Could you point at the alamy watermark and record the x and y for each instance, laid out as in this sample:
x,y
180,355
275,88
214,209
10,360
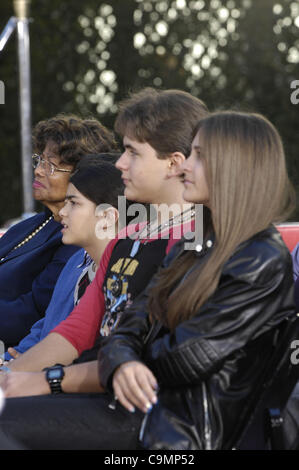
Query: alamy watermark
x,y
294,358
2,92
155,221
295,94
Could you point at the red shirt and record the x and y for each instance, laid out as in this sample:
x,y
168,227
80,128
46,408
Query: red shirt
x,y
83,325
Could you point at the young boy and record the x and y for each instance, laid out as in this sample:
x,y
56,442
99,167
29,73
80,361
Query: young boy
x,y
157,128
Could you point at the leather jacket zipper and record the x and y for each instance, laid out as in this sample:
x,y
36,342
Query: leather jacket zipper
x,y
207,422
155,326
142,427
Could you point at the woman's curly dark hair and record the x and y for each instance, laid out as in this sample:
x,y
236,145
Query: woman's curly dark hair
x,y
73,136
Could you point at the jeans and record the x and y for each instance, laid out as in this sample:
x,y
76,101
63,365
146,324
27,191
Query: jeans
x,y
69,421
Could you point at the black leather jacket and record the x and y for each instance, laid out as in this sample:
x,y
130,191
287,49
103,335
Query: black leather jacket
x,y
209,366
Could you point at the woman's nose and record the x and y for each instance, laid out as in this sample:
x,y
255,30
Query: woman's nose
x,y
39,171
187,165
183,167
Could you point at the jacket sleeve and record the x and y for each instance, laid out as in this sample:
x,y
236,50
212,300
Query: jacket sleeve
x,y
18,315
254,294
127,341
30,340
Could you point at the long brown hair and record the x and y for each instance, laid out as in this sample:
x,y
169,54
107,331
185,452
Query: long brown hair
x,y
249,189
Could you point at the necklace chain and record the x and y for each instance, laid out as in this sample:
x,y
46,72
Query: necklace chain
x,y
117,284
184,216
28,238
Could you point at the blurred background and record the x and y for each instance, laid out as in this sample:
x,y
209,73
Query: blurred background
x,y
86,56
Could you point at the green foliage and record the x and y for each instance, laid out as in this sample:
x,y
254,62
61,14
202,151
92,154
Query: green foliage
x,y
86,56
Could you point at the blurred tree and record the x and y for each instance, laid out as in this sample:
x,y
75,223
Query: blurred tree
x,y
87,56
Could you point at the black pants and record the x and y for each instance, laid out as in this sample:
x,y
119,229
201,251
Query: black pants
x,y
69,421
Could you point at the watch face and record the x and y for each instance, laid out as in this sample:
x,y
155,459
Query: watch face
x,y
54,374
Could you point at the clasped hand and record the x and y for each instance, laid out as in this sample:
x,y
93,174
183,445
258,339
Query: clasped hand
x,y
135,385
15,354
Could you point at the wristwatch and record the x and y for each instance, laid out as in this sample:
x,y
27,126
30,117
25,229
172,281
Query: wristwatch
x,y
54,376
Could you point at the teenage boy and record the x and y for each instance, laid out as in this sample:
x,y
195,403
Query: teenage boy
x,y
157,128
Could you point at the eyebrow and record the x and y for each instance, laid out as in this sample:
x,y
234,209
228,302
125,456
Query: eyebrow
x,y
130,147
71,196
49,157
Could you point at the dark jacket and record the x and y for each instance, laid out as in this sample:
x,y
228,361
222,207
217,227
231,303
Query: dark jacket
x,y
28,274
208,367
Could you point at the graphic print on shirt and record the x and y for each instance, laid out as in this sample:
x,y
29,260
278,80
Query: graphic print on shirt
x,y
117,303
85,278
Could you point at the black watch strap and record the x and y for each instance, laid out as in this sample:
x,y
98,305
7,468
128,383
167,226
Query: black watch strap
x,y
54,376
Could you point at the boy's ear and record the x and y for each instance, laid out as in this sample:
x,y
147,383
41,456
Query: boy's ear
x,y
108,217
112,216
107,224
175,160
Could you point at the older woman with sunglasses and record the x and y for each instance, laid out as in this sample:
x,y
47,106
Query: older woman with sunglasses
x,y
31,252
